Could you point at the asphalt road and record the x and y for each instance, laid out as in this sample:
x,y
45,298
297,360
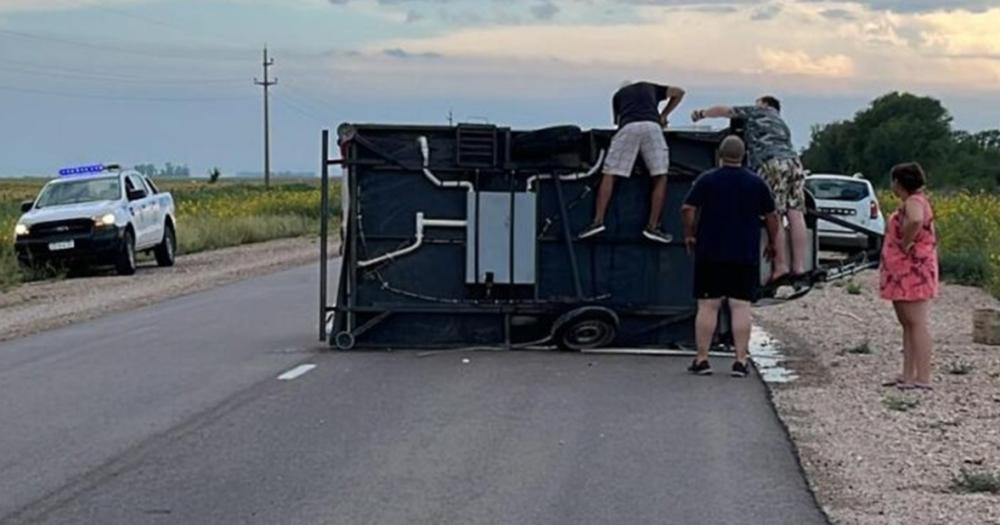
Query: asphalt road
x,y
174,413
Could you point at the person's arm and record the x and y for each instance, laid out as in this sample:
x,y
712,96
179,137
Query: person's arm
x,y
712,112
914,220
773,222
689,216
674,97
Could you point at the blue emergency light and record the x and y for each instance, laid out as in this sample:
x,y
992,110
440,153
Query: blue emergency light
x,y
81,170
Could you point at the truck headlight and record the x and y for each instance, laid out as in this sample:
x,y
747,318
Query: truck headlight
x,y
105,220
20,229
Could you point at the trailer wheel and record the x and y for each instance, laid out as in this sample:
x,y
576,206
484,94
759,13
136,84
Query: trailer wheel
x,y
344,340
586,329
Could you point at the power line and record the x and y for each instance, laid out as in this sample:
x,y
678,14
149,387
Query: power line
x,y
106,47
158,22
116,98
63,73
288,103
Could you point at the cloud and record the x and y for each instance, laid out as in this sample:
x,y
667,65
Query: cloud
x,y
924,6
402,53
545,10
801,63
765,13
838,14
57,5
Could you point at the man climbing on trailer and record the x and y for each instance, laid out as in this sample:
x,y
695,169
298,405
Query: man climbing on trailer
x,y
721,216
640,131
774,158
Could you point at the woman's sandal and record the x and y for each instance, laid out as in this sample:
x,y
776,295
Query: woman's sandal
x,y
898,380
915,386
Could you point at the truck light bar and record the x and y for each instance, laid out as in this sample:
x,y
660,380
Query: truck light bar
x,y
81,170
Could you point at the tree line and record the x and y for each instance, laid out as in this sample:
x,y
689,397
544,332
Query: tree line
x,y
900,127
168,170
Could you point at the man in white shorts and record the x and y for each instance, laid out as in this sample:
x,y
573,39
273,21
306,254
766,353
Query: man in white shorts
x,y
640,131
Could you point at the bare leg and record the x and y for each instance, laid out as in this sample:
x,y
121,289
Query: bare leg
x,y
604,193
800,240
740,311
908,375
921,340
705,325
779,266
657,198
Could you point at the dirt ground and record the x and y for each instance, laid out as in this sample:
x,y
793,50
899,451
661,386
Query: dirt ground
x,y
876,455
34,307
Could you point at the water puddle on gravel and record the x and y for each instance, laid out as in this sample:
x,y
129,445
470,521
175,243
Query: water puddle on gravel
x,y
766,353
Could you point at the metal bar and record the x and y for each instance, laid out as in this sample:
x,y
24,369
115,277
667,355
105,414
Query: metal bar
x,y
324,220
512,226
371,323
352,239
654,351
568,237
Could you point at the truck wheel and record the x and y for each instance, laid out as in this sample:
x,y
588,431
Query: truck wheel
x,y
586,329
125,260
165,252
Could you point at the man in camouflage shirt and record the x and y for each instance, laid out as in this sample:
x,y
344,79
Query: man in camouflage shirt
x,y
773,157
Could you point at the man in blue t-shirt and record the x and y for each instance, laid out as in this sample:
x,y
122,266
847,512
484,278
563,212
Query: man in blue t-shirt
x,y
640,122
722,222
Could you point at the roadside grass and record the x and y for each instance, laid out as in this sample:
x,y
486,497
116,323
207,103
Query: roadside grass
x,y
864,348
209,215
853,288
959,368
968,234
969,482
900,404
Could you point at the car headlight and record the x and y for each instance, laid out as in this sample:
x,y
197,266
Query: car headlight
x,y
105,220
20,229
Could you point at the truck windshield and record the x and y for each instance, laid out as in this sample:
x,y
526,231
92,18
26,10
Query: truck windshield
x,y
77,191
837,190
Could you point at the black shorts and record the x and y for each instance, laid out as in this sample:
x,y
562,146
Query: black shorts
x,y
714,280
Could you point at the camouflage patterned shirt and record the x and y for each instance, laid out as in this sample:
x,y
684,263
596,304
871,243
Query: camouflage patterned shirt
x,y
768,137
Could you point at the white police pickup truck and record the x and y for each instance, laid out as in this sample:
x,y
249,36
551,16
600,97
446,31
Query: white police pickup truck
x,y
97,214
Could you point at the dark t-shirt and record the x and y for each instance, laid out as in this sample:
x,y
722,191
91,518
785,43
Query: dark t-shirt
x,y
731,202
638,102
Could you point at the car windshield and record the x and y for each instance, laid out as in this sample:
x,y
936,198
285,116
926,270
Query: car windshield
x,y
77,191
837,189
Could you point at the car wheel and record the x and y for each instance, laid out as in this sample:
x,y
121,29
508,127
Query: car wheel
x,y
165,252
125,260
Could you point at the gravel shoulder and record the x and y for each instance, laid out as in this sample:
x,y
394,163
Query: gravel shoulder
x,y
867,463
39,306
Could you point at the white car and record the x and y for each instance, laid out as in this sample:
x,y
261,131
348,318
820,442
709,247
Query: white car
x,y
97,214
852,199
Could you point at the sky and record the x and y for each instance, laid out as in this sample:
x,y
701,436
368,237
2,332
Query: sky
x,y
137,81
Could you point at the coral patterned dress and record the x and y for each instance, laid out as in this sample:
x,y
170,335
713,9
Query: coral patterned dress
x,y
910,276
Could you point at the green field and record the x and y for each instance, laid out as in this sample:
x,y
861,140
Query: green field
x,y
209,216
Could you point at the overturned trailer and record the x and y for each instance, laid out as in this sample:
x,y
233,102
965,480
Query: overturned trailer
x,y
465,236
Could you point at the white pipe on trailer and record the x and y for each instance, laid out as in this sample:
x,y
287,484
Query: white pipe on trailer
x,y
572,176
421,223
425,151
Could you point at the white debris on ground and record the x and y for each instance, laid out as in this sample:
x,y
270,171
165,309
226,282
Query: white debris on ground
x,y
44,305
873,454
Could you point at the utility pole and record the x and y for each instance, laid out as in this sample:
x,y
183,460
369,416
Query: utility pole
x,y
267,83
451,118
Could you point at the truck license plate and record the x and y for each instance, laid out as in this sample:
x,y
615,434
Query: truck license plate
x,y
64,245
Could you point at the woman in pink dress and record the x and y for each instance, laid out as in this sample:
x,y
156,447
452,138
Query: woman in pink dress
x,y
909,272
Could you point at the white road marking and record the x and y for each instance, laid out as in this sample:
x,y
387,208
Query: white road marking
x,y
295,372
